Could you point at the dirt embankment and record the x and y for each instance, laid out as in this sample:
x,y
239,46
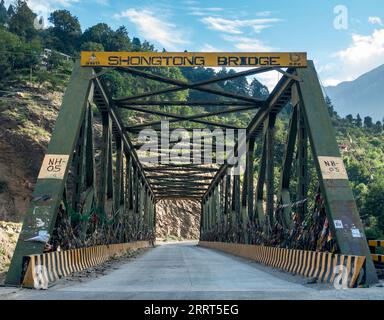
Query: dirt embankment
x,y
27,118
9,233
178,219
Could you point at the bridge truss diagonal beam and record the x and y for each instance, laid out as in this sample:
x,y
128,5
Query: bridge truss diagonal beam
x,y
200,86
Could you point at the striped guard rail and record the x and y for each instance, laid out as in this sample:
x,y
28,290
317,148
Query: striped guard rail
x,y
375,243
42,269
320,265
378,259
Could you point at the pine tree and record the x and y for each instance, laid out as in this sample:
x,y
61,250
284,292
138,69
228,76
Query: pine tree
x,y
331,108
66,30
358,121
378,127
258,90
3,14
368,123
349,118
10,11
21,21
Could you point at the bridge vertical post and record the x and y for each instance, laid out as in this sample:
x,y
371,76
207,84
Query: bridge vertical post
x,y
129,197
119,173
202,217
260,186
208,210
213,211
236,204
103,185
340,206
217,208
210,207
247,192
222,208
302,159
227,204
270,158
244,209
250,187
146,213
141,208
89,167
135,203
60,149
206,214
154,219
80,162
284,196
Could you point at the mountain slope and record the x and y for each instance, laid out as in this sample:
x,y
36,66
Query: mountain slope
x,y
365,95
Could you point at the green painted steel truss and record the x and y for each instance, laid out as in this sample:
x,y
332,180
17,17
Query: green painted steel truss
x,y
103,193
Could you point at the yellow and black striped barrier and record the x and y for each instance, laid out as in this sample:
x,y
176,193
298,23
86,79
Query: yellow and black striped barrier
x,y
323,266
42,269
378,259
375,243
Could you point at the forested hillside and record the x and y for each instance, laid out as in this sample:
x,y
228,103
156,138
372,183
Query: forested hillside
x,y
26,66
366,90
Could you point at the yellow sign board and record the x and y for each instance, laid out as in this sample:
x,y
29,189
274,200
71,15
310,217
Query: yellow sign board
x,y
193,59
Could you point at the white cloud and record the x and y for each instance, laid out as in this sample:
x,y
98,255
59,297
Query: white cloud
x,y
45,7
365,53
269,79
154,29
375,20
248,44
330,82
200,11
264,13
208,48
236,26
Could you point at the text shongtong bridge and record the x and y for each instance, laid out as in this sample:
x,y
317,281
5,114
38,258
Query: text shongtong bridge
x,y
96,186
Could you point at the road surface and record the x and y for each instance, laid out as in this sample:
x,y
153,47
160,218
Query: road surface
x,y
187,271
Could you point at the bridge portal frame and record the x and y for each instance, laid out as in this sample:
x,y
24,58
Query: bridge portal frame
x,y
130,192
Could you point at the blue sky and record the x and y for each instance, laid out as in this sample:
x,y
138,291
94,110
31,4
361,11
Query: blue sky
x,y
341,51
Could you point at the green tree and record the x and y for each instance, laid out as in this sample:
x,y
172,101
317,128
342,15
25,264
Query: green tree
x,y
21,22
349,118
258,90
358,121
111,40
99,33
119,40
378,128
66,31
374,204
9,43
10,11
368,122
91,46
136,44
3,14
331,108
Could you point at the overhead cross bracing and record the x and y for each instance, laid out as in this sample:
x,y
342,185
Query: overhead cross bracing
x,y
235,105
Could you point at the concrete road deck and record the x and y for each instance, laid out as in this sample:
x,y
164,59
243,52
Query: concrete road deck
x,y
187,271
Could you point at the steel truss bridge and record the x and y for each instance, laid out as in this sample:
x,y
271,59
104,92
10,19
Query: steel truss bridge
x,y
93,189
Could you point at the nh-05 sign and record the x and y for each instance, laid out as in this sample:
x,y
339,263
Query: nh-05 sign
x,y
193,59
